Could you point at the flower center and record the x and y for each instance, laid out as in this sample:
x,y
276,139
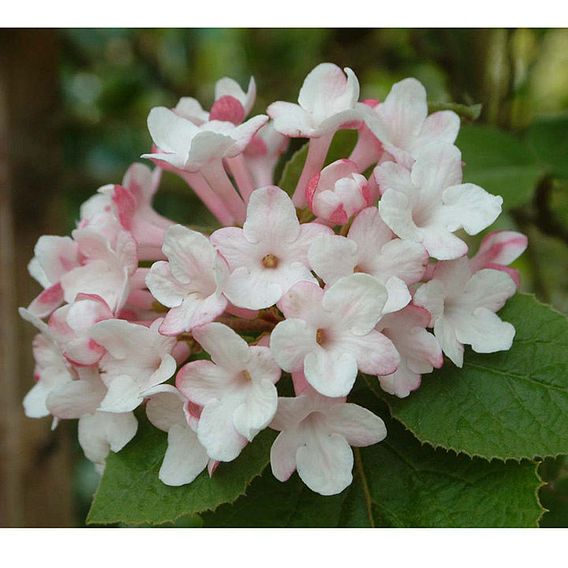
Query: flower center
x,y
358,269
321,337
270,261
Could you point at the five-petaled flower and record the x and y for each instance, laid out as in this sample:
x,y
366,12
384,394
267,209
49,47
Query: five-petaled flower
x,y
269,254
236,390
316,435
330,334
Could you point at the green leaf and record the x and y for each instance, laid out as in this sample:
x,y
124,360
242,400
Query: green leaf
x,y
398,483
131,493
500,163
503,405
548,139
341,147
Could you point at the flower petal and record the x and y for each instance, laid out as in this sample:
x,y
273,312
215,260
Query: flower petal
x,y
123,395
489,289
359,426
332,257
271,217
76,398
165,409
226,347
331,372
402,382
163,286
283,454
290,342
185,457
471,207
102,432
445,333
325,464
258,410
217,433
485,332
396,211
357,300
193,312
291,119
375,353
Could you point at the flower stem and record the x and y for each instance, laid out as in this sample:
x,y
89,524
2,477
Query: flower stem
x,y
317,152
219,181
209,198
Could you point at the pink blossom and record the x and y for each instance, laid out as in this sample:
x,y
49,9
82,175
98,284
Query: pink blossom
x,y
339,192
430,202
201,149
72,325
419,350
269,254
136,363
53,257
370,247
228,94
236,390
316,435
189,147
105,270
327,101
330,335
463,306
401,123
190,283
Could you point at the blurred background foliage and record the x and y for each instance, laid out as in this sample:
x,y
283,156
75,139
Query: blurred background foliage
x,y
110,78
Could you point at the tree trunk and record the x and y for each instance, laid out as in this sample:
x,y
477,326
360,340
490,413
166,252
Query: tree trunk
x,y
35,463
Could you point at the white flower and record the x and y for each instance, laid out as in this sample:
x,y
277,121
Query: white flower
x,y
327,99
99,432
190,283
236,390
231,103
269,254
315,438
105,270
53,257
429,203
138,360
419,350
403,126
370,247
51,371
51,368
185,457
331,335
189,147
463,305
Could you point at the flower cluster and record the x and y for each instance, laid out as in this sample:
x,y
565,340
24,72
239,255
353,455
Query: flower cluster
x,y
197,329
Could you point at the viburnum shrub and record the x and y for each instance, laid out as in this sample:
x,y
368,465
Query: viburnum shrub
x,y
298,330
